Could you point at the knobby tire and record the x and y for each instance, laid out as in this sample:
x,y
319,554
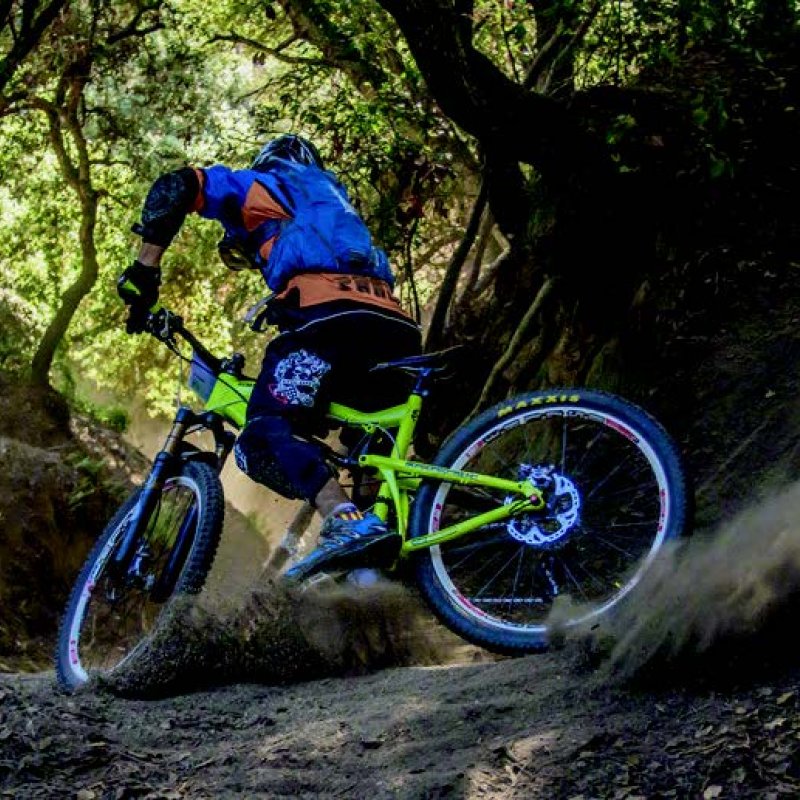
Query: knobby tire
x,y
105,624
620,495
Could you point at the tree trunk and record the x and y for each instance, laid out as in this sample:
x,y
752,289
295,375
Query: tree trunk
x,y
64,120
71,299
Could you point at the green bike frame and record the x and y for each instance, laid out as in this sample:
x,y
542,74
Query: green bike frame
x,y
400,476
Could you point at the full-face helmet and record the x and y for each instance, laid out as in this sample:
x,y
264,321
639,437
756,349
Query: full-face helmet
x,y
289,147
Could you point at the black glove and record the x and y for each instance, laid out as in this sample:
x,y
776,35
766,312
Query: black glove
x,y
138,285
138,318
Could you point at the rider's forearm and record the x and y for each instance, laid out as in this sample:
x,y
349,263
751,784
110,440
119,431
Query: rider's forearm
x,y
150,254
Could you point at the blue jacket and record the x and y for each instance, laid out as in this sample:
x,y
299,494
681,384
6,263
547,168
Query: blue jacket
x,y
291,219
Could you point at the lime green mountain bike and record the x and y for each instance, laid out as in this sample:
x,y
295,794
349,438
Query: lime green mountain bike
x,y
566,493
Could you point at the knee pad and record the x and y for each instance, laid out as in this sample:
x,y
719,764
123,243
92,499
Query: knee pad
x,y
268,452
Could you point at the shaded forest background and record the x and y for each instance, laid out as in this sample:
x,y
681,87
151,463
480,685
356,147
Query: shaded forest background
x,y
582,192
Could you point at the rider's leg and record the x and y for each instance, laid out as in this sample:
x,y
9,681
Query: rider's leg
x,y
272,451
301,370
329,355
330,497
271,448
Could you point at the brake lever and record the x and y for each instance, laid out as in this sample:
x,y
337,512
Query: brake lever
x,y
163,323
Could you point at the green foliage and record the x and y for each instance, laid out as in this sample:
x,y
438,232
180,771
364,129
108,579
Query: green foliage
x,y
91,475
18,334
203,83
114,417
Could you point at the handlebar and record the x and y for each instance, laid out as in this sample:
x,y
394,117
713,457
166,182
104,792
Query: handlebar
x,y
165,325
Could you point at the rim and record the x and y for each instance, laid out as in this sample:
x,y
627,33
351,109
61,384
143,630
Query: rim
x,y
609,518
110,623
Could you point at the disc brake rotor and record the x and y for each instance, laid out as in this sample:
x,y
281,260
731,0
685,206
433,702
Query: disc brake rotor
x,y
551,527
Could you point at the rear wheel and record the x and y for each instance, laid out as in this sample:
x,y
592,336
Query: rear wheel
x,y
108,619
615,494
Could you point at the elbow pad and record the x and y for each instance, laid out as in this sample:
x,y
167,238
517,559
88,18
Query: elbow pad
x,y
171,197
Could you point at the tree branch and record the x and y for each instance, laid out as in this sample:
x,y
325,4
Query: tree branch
x,y
451,275
313,24
275,52
484,235
56,133
489,273
132,29
5,13
478,96
28,37
514,344
78,136
575,40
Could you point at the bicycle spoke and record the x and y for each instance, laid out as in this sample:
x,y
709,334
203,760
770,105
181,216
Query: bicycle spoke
x,y
588,450
601,585
487,564
114,627
495,576
509,571
603,540
574,580
479,492
516,578
650,523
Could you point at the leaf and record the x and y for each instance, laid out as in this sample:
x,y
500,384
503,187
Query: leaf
x,y
717,168
712,791
700,116
784,698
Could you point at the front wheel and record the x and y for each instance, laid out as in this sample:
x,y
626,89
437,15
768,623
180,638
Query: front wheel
x,y
615,493
109,617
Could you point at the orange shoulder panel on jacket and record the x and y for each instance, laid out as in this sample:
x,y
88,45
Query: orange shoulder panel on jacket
x,y
266,248
259,206
199,201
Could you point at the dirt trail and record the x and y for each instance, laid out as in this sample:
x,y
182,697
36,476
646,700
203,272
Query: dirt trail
x,y
413,732
529,728
695,693
672,711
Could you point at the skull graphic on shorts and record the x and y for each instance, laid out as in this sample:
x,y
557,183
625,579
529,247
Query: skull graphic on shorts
x,y
297,378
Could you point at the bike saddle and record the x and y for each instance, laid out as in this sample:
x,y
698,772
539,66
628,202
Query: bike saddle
x,y
439,361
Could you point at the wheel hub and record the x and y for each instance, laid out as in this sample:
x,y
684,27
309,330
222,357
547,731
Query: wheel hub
x,y
551,527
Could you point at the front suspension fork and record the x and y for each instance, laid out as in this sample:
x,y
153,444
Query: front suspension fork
x,y
163,467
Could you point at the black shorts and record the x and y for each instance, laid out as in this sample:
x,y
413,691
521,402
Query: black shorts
x,y
329,358
325,359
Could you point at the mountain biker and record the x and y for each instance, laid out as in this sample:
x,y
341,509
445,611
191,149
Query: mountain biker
x,y
332,302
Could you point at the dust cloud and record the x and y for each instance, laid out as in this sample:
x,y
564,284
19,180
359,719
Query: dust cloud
x,y
716,607
268,512
283,636
246,627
